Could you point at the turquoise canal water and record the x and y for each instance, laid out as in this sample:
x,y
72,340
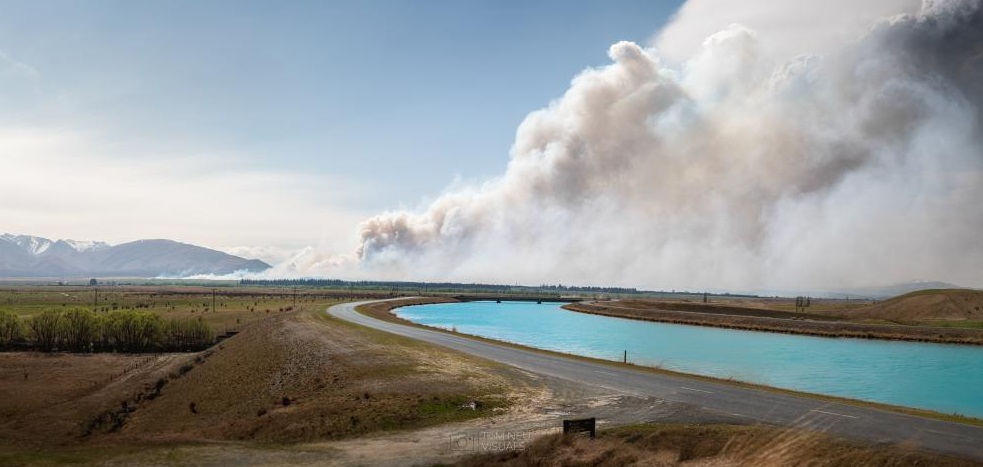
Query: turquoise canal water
x,y
943,377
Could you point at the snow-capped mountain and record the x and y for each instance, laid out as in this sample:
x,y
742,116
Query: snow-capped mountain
x,y
29,256
33,245
85,246
38,245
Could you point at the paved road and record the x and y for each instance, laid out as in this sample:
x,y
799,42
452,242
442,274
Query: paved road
x,y
756,405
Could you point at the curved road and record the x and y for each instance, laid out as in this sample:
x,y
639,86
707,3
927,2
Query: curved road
x,y
756,405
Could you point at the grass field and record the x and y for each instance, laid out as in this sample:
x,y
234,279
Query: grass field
x,y
233,306
290,377
707,445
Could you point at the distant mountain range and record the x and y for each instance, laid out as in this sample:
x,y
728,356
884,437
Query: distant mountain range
x,y
28,256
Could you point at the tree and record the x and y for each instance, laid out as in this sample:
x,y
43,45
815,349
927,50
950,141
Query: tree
x,y
150,332
134,331
188,334
11,328
80,328
45,327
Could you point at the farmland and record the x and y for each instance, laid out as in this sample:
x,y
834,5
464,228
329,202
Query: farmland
x,y
288,376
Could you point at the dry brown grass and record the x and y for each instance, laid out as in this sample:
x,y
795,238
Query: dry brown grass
x,y
381,310
755,320
923,306
308,377
755,309
63,392
295,377
708,445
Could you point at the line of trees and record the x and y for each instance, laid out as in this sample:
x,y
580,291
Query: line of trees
x,y
449,286
82,330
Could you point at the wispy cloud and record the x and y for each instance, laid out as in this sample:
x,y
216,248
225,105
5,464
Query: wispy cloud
x,y
9,65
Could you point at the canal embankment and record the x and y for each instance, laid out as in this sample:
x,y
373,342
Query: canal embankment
x,y
789,323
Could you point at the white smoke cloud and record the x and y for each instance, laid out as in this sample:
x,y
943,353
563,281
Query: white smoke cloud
x,y
739,164
788,27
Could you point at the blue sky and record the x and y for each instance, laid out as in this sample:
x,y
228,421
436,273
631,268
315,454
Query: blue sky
x,y
390,99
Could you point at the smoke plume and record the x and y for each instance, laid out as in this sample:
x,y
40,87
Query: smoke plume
x,y
739,165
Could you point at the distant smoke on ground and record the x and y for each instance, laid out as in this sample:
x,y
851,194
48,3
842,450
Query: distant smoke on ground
x,y
739,165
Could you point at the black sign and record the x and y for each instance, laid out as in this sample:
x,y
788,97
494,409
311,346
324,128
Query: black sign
x,y
583,425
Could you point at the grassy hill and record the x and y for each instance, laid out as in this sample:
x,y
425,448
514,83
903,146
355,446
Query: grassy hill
x,y
307,377
924,305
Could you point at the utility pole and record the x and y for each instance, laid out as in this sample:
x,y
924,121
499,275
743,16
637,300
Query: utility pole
x,y
295,297
95,299
213,300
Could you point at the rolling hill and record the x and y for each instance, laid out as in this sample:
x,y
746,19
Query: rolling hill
x,y
932,304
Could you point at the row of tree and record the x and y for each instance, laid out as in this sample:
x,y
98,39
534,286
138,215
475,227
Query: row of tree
x,y
82,330
446,286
